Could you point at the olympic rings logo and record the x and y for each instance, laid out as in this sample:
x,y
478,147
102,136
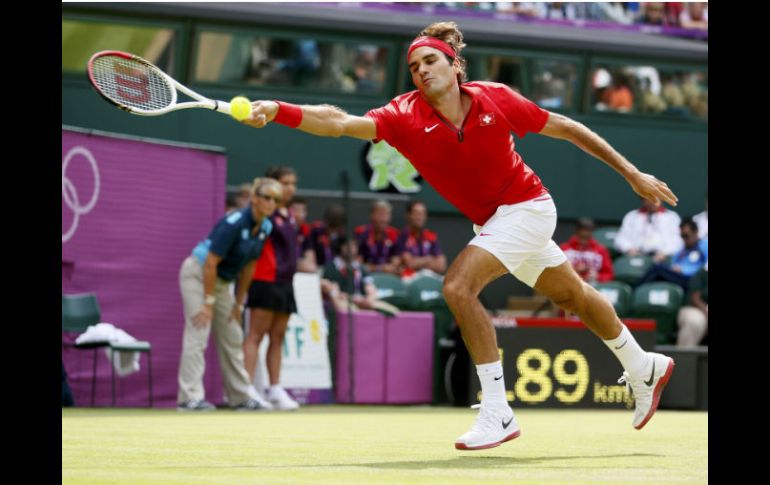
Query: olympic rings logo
x,y
70,194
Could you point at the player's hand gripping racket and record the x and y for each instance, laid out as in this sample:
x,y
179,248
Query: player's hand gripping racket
x,y
139,87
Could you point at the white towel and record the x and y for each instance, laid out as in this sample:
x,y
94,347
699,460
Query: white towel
x,y
125,363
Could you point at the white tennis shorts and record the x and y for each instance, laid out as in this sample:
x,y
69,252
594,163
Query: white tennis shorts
x,y
519,235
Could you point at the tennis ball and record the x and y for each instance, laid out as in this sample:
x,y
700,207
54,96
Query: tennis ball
x,y
240,108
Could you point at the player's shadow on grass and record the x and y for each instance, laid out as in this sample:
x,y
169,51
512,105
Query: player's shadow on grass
x,y
460,462
464,462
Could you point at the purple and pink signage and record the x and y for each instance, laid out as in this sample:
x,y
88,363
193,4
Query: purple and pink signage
x,y
132,211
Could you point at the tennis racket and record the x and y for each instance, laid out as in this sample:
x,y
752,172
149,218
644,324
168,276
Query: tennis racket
x,y
136,85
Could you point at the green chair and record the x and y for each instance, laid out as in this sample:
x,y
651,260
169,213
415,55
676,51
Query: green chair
x,y
606,237
618,293
391,289
426,295
659,301
78,312
425,292
631,269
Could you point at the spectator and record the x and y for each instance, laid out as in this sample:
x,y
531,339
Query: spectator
x,y
650,102
700,106
600,81
648,81
560,11
591,260
693,318
528,9
418,247
673,11
673,96
613,12
319,246
367,72
619,97
336,284
702,220
239,198
271,295
695,16
206,281
692,89
550,91
243,196
653,13
230,204
298,209
377,240
650,230
686,262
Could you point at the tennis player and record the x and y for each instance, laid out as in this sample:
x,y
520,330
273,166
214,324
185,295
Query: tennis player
x,y
457,134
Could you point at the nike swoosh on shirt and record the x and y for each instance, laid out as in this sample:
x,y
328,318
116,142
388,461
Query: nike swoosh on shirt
x,y
484,234
428,130
621,346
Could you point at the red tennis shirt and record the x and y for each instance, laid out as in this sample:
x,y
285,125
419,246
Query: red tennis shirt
x,y
476,167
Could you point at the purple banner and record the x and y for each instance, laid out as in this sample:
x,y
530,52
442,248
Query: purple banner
x,y
131,213
392,358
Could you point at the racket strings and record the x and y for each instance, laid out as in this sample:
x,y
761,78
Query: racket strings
x,y
132,83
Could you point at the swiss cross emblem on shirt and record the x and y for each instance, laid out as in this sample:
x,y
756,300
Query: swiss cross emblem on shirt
x,y
487,119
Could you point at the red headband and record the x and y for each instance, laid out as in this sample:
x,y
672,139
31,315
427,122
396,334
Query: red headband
x,y
431,42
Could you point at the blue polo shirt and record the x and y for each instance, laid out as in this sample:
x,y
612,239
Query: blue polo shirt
x,y
693,259
232,240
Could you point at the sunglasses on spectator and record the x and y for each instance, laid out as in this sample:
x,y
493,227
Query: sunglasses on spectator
x,y
269,197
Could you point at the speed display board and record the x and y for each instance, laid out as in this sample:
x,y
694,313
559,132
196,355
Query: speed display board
x,y
560,363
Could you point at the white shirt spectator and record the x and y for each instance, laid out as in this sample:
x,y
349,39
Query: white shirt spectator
x,y
615,12
650,232
702,220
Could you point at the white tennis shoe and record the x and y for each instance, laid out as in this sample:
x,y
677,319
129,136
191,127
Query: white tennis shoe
x,y
494,426
648,386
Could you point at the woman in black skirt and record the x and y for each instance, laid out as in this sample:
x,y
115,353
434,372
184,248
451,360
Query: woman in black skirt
x,y
271,295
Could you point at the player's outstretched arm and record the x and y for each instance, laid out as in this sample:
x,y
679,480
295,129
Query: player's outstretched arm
x,y
646,185
320,120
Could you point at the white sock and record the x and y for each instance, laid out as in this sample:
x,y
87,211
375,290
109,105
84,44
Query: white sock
x,y
492,383
632,357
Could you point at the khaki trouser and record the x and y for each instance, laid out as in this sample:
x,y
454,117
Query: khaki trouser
x,y
228,336
693,324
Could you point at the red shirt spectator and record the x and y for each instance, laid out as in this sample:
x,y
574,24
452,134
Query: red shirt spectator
x,y
590,259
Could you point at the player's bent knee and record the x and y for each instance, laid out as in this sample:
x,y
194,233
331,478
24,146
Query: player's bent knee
x,y
573,300
455,291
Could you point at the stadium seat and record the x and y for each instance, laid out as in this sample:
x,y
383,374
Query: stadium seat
x,y
78,312
606,237
425,293
618,293
391,289
630,269
660,301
